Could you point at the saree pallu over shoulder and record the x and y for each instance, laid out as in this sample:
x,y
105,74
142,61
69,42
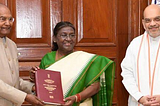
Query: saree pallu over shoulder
x,y
80,69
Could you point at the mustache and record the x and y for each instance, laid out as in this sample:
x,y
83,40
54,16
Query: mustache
x,y
153,27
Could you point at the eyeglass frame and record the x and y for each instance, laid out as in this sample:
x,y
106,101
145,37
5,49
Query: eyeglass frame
x,y
65,36
10,19
149,20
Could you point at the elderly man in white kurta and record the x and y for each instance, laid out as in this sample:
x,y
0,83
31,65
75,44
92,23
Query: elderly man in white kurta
x,y
10,83
141,65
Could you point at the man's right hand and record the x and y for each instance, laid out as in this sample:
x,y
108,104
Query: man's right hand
x,y
149,101
145,99
32,99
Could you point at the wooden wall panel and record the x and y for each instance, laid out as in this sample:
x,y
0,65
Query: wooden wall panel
x,y
109,52
24,67
92,28
32,54
95,27
28,19
69,11
55,13
122,41
3,2
114,102
34,24
136,8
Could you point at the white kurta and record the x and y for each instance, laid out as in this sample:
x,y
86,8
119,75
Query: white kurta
x,y
9,76
129,69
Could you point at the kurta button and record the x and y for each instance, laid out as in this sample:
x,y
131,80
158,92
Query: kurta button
x,y
19,54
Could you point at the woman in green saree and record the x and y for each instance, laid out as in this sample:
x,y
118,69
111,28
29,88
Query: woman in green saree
x,y
87,79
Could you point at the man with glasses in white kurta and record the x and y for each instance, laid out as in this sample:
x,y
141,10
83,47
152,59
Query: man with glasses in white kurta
x,y
141,65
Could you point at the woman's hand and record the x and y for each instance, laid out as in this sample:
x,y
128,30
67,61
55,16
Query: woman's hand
x,y
69,101
32,73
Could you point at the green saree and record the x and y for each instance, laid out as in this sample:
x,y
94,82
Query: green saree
x,y
98,68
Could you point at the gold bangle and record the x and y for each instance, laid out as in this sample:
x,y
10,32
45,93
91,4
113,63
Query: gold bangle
x,y
76,98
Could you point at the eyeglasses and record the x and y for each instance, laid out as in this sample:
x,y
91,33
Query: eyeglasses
x,y
149,20
4,19
65,36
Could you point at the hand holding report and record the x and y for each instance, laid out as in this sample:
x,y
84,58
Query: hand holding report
x,y
49,87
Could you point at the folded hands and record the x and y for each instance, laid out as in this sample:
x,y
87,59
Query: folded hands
x,y
150,100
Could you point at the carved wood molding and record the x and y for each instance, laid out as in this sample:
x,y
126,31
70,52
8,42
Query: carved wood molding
x,y
94,23
135,15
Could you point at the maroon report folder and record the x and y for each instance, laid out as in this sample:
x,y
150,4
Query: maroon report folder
x,y
49,87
